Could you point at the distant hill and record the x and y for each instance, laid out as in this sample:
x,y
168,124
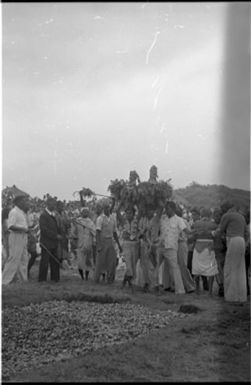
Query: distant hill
x,y
210,196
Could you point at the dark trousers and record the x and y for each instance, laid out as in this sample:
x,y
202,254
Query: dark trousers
x,y
47,260
189,260
32,259
247,262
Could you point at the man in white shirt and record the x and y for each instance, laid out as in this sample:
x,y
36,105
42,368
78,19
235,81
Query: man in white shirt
x,y
170,228
17,262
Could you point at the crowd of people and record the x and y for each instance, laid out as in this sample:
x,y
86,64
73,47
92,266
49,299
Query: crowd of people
x,y
171,248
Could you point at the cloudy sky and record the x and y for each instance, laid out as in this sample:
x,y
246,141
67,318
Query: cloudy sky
x,y
94,90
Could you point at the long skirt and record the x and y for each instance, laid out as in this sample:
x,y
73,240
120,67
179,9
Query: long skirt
x,y
187,279
17,260
106,260
131,254
235,285
85,259
204,263
146,265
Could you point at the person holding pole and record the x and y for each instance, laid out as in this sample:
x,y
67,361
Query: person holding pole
x,y
49,238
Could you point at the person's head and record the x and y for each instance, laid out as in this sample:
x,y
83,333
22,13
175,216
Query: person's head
x,y
217,215
60,206
98,209
226,206
75,213
22,202
195,214
106,209
130,212
170,209
85,212
205,213
178,211
184,214
150,212
51,204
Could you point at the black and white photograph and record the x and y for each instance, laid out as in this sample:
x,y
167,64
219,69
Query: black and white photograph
x,y
125,192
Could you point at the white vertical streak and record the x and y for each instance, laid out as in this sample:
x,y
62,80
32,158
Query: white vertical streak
x,y
151,47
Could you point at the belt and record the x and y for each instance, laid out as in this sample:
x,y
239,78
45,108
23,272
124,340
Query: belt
x,y
18,231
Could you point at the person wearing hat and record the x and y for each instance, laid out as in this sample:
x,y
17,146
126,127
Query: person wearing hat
x,y
49,238
130,237
17,261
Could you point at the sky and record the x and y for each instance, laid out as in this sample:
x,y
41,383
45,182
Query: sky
x,y
92,91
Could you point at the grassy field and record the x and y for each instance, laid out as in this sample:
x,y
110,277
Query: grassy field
x,y
212,344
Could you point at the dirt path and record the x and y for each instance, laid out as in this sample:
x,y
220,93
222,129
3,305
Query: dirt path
x,y
210,345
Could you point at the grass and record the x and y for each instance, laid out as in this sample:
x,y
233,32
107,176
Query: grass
x,y
210,345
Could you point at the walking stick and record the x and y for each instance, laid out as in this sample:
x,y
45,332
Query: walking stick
x,y
53,256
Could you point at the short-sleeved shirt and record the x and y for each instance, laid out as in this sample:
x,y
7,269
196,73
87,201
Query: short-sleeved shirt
x,y
170,229
106,225
18,218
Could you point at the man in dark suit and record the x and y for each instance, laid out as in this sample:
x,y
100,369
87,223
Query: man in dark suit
x,y
49,237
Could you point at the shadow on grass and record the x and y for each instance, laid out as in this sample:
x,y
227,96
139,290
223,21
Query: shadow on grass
x,y
34,293
106,298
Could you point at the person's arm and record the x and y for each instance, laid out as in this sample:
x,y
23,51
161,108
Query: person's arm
x,y
115,236
183,226
112,205
98,240
18,229
223,224
246,235
73,231
120,218
141,228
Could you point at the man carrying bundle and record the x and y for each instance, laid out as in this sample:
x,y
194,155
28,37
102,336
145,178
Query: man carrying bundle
x,y
130,238
85,233
106,259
